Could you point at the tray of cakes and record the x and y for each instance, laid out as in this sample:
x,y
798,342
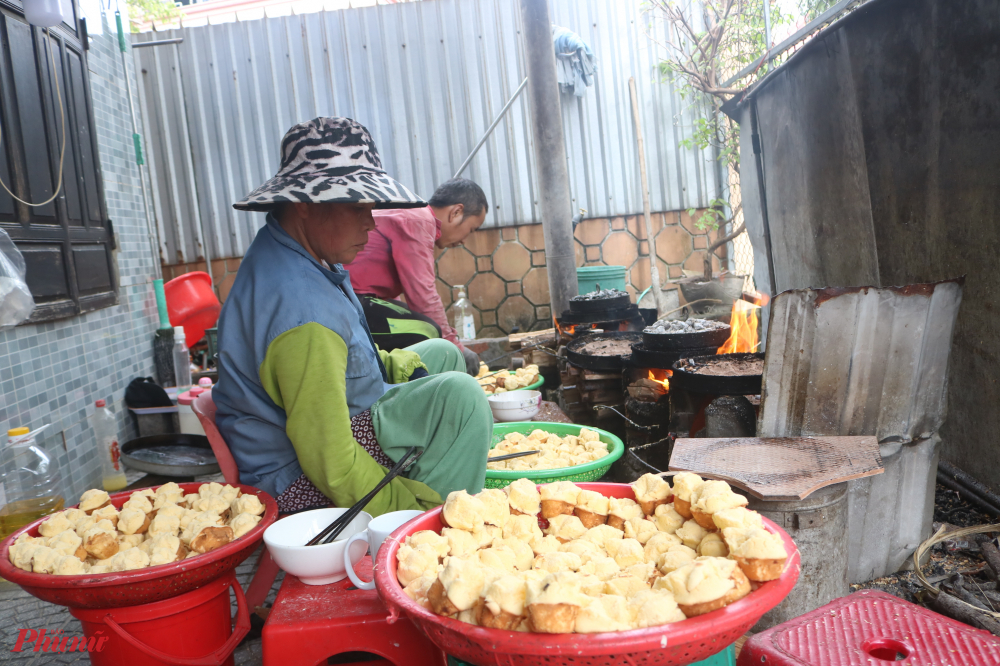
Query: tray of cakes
x,y
566,452
137,547
589,573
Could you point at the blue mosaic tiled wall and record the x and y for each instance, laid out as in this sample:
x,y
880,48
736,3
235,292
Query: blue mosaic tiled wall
x,y
53,372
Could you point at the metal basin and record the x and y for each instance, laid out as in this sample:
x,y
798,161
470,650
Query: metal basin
x,y
171,455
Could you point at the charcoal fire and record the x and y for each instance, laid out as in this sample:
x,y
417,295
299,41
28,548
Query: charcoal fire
x,y
743,324
651,388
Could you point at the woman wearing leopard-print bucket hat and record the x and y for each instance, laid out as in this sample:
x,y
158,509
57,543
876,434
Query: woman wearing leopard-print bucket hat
x,y
312,410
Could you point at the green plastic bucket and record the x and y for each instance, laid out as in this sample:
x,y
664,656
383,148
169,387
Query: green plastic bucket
x,y
609,277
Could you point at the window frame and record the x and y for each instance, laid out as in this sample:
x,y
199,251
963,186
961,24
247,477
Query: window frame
x,y
74,238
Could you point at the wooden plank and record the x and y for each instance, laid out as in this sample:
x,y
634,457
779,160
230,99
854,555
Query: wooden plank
x,y
531,338
542,359
779,468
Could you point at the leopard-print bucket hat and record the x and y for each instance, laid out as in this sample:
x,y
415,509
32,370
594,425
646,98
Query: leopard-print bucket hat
x,y
330,160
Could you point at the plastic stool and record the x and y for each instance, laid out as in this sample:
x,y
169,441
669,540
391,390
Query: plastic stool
x,y
310,623
869,628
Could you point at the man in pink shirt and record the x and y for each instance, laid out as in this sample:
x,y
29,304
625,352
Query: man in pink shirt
x,y
399,260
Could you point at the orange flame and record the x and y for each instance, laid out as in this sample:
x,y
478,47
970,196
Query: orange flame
x,y
563,330
663,380
743,325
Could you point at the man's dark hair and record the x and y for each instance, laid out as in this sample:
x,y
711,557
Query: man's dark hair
x,y
460,191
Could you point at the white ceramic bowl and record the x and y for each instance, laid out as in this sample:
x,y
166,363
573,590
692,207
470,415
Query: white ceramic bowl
x,y
515,405
314,565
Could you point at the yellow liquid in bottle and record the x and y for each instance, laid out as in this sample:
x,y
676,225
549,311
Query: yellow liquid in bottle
x,y
16,515
114,483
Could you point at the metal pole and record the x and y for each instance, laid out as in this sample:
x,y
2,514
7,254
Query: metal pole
x,y
154,244
654,270
550,153
159,42
489,130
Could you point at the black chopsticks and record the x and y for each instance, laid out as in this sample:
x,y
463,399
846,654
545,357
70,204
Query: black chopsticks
x,y
508,456
333,530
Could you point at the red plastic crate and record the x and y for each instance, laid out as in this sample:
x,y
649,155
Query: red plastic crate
x,y
871,628
310,623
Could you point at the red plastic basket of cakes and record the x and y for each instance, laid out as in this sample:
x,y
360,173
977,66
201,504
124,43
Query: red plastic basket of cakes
x,y
141,586
677,644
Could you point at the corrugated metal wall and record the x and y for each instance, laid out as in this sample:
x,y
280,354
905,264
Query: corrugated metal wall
x,y
426,78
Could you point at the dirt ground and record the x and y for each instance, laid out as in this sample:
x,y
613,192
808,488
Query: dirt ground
x,y
946,558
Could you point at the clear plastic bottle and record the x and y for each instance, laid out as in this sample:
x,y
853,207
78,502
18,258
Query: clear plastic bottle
x,y
182,361
461,316
106,432
29,488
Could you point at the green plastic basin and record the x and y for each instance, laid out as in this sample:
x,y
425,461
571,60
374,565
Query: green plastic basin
x,y
591,471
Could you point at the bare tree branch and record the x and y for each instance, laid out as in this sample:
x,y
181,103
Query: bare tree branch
x,y
710,250
703,50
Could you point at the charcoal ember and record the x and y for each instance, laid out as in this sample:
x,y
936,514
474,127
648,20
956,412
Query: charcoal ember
x,y
677,326
599,295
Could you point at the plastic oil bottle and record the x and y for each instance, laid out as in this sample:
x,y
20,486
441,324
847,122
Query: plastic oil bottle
x,y
182,361
106,430
29,488
461,316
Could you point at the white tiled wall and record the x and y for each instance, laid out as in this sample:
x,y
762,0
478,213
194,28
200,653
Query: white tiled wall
x,y
53,372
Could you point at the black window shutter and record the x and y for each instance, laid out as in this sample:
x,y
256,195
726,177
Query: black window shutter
x,y
67,244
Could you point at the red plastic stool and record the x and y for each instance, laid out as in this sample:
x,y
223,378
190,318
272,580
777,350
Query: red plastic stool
x,y
310,623
871,628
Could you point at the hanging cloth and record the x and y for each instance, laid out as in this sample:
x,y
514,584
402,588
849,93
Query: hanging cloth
x,y
575,62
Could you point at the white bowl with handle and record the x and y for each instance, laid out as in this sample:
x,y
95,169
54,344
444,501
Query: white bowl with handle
x,y
515,405
321,564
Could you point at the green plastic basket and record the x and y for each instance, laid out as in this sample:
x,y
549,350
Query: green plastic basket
x,y
591,471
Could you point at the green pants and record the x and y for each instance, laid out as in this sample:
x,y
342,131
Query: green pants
x,y
439,356
445,414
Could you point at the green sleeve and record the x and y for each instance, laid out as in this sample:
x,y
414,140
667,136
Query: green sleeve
x,y
304,373
400,364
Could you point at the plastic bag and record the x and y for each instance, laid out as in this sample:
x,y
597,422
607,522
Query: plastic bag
x,y
16,302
